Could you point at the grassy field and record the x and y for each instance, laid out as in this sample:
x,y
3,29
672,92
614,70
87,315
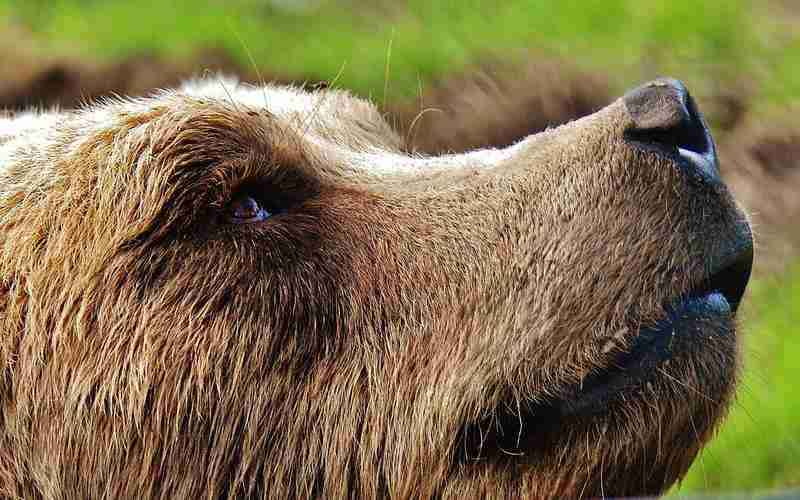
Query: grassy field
x,y
388,49
707,45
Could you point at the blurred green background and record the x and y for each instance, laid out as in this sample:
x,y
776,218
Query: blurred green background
x,y
390,50
706,42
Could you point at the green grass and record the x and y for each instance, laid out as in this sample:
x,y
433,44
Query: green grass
x,y
759,444
711,46
706,45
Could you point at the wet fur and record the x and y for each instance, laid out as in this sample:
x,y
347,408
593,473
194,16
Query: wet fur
x,y
355,345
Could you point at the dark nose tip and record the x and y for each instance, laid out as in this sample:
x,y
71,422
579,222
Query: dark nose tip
x,y
665,117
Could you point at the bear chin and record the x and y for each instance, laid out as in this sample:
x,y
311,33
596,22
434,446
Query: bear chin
x,y
692,346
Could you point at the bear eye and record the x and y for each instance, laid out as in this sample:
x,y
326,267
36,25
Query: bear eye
x,y
245,209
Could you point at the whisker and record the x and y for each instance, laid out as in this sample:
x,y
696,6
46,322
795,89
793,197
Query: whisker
x,y
602,467
588,468
387,67
687,386
411,140
519,417
230,96
319,102
252,59
700,458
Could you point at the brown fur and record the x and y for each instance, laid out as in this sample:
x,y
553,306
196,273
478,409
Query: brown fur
x,y
387,337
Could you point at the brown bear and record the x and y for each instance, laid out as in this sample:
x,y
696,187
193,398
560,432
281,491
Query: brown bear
x,y
228,291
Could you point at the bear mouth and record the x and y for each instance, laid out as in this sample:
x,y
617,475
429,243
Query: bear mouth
x,y
702,317
712,304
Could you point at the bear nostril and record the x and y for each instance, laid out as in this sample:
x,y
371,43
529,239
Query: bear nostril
x,y
666,117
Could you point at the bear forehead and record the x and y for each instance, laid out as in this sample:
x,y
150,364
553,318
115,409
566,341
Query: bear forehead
x,y
332,116
279,100
330,119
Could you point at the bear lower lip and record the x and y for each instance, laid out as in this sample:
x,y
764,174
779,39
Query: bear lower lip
x,y
688,325
705,314
691,324
696,328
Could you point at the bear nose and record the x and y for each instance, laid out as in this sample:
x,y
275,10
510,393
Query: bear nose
x,y
666,118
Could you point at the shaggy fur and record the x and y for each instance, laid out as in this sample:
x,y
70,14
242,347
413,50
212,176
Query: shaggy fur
x,y
392,334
